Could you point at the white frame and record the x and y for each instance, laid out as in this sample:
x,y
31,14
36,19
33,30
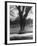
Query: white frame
x,y
8,24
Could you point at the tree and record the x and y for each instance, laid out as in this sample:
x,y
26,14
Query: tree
x,y
23,18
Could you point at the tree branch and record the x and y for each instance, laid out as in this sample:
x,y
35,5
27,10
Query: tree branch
x,y
27,11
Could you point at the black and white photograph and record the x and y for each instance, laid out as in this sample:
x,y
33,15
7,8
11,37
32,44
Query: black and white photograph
x,y
20,22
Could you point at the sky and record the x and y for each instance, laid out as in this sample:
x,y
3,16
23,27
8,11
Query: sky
x,y
15,13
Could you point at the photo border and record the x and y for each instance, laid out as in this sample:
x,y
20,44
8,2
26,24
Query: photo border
x,y
6,21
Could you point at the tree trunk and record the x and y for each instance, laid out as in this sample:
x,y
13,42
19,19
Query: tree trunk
x,y
23,20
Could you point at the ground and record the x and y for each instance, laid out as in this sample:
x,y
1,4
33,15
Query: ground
x,y
27,35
